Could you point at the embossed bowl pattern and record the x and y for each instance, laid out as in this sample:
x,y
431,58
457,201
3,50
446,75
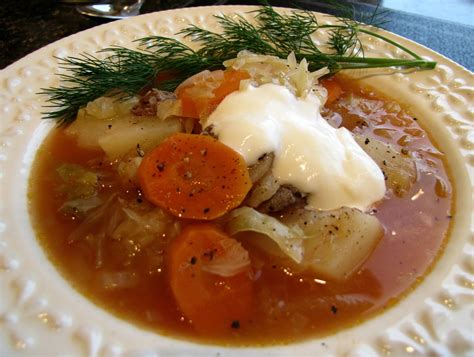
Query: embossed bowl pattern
x,y
40,313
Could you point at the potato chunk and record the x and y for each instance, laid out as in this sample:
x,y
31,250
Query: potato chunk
x,y
337,242
108,124
97,118
141,135
397,165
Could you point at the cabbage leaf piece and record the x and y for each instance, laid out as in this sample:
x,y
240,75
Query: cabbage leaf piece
x,y
80,188
76,181
333,244
397,164
289,239
108,125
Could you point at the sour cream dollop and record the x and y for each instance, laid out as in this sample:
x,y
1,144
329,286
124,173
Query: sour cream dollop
x,y
324,162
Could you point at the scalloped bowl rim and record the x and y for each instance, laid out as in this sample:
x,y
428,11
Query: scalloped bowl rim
x,y
39,306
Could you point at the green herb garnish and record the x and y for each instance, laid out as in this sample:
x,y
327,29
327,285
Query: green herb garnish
x,y
125,72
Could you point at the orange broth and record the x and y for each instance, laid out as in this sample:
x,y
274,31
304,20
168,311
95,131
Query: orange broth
x,y
290,305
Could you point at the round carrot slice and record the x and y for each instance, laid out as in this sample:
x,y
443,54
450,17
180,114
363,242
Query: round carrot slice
x,y
213,303
201,97
194,176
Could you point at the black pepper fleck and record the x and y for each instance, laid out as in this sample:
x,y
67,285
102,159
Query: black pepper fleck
x,y
140,152
210,254
160,166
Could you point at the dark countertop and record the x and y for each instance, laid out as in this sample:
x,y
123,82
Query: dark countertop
x,y
29,25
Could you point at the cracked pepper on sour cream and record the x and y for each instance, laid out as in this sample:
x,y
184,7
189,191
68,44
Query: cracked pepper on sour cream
x,y
321,161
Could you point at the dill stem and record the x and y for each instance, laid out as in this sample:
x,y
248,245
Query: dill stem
x,y
385,61
403,63
386,39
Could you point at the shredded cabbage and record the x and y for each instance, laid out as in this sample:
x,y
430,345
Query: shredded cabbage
x,y
90,223
77,182
81,205
118,280
289,238
271,69
108,107
125,222
234,260
210,79
127,169
141,227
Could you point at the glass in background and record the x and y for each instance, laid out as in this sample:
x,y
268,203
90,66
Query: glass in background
x,y
116,9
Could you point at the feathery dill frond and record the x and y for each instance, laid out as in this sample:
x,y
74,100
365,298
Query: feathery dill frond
x,y
124,72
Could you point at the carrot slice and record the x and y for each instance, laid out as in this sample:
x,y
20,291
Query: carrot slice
x,y
333,88
194,176
230,84
199,99
213,303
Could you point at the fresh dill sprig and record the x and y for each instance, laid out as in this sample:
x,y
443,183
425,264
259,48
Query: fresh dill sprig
x,y
163,62
122,73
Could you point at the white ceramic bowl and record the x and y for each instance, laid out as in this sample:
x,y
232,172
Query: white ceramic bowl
x,y
41,314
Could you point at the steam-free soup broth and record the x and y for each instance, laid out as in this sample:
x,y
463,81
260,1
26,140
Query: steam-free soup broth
x,y
121,262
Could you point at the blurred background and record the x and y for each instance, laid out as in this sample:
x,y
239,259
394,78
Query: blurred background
x,y
461,11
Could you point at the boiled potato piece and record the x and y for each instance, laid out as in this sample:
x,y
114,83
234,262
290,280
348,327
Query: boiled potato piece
x,y
138,134
98,117
397,164
108,124
337,242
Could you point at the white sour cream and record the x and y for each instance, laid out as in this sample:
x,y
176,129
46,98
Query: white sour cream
x,y
319,160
